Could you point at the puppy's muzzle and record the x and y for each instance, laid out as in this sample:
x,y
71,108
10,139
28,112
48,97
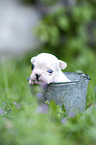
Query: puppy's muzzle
x,y
37,77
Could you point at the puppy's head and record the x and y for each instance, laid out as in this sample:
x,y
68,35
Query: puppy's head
x,y
45,67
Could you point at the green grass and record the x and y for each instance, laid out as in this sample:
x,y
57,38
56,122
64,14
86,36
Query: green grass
x,y
22,124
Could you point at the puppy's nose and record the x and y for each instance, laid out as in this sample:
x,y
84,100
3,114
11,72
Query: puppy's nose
x,y
37,76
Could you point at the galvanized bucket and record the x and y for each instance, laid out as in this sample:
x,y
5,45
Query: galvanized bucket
x,y
70,94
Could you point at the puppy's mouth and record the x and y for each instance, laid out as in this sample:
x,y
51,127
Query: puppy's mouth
x,y
39,82
36,81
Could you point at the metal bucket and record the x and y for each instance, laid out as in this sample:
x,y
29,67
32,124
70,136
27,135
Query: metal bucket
x,y
70,94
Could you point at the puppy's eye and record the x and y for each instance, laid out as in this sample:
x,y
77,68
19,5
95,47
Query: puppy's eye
x,y
50,71
32,66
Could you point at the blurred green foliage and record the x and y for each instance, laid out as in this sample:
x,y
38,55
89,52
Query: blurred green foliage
x,y
67,28
46,2
23,122
64,33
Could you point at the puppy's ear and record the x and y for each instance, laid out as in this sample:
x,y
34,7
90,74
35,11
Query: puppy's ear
x,y
33,59
62,64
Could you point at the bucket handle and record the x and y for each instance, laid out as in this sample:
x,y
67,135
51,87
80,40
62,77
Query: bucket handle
x,y
86,76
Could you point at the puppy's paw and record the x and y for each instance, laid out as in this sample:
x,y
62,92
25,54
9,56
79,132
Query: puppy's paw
x,y
31,82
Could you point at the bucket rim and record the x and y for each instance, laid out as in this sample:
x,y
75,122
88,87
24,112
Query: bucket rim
x,y
86,76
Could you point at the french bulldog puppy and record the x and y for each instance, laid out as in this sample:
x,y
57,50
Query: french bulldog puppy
x,y
46,68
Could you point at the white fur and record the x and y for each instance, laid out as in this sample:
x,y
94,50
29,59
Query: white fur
x,y
42,63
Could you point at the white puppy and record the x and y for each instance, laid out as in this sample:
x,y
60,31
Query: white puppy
x,y
46,68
